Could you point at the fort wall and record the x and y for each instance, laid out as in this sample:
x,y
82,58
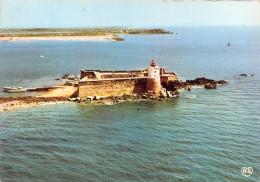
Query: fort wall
x,y
165,79
107,87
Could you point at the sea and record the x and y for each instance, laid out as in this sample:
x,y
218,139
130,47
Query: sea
x,y
202,135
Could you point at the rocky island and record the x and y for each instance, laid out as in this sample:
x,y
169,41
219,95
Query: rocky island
x,y
102,87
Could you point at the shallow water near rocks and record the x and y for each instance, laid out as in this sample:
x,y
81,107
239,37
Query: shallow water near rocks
x,y
203,135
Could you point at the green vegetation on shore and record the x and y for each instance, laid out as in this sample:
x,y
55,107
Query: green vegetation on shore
x,y
43,32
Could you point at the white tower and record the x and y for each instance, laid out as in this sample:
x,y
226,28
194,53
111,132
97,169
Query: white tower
x,y
153,83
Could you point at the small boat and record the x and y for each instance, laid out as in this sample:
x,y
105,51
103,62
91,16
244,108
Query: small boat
x,y
7,88
14,90
228,44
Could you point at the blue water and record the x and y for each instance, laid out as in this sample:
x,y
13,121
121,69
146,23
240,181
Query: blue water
x,y
203,135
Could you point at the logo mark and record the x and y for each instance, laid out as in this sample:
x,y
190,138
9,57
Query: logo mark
x,y
247,171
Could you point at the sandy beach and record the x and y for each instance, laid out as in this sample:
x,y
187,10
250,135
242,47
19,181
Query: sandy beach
x,y
50,97
65,91
85,38
16,105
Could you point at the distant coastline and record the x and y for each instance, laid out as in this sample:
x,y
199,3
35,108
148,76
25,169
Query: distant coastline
x,y
74,34
90,38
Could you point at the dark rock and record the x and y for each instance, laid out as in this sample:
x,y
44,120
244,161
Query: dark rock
x,y
211,86
245,75
174,85
162,96
163,93
222,82
144,96
96,97
73,99
65,76
177,85
175,92
169,94
200,81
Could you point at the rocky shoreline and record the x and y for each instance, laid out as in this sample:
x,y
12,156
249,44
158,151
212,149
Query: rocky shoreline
x,y
207,83
32,99
171,89
10,103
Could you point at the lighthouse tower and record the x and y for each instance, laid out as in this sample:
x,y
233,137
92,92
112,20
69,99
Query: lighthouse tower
x,y
153,83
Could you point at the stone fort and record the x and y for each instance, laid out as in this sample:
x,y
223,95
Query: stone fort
x,y
106,83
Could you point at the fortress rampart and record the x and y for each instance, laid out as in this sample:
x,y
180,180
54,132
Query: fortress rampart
x,y
106,83
106,87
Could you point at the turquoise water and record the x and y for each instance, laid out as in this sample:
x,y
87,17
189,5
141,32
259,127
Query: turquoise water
x,y
203,135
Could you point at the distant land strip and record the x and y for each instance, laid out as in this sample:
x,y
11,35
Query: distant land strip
x,y
84,33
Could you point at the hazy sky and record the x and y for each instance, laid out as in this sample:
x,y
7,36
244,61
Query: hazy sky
x,y
142,13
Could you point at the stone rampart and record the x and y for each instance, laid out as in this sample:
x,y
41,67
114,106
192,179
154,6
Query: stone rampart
x,y
107,87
